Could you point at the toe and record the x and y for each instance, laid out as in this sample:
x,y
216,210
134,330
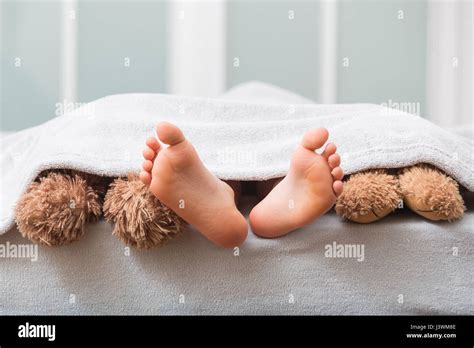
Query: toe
x,y
153,143
147,166
169,133
149,154
315,138
329,150
337,187
334,161
337,173
145,177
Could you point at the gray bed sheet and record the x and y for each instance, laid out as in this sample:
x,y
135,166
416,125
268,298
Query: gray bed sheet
x,y
409,266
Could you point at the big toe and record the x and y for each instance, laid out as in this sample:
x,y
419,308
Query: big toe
x,y
315,138
169,133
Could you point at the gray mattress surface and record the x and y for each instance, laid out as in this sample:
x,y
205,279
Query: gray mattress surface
x,y
409,266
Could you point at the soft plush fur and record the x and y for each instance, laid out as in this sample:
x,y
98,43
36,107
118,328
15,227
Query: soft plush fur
x,y
369,196
431,194
55,209
140,218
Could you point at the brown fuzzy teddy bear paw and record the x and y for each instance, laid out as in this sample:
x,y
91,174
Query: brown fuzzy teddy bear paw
x,y
369,196
430,193
139,217
55,209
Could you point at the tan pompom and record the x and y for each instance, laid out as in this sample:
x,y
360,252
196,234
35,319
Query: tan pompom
x,y
140,218
430,193
369,196
54,210
98,183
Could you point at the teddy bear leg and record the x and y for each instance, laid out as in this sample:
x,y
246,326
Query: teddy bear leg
x,y
430,193
140,219
56,207
369,196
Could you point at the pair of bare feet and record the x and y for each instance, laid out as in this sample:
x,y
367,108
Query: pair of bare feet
x,y
178,178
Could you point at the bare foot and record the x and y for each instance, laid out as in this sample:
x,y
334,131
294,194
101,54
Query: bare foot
x,y
179,179
308,191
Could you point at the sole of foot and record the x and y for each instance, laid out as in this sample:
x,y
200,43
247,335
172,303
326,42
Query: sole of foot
x,y
178,178
308,190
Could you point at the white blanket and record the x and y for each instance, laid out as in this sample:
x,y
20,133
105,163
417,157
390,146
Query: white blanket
x,y
239,139
411,266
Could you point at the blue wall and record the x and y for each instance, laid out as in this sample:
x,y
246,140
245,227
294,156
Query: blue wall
x,y
111,33
29,91
386,54
108,32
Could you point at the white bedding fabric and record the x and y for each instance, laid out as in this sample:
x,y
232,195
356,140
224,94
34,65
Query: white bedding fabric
x,y
238,139
404,255
430,266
